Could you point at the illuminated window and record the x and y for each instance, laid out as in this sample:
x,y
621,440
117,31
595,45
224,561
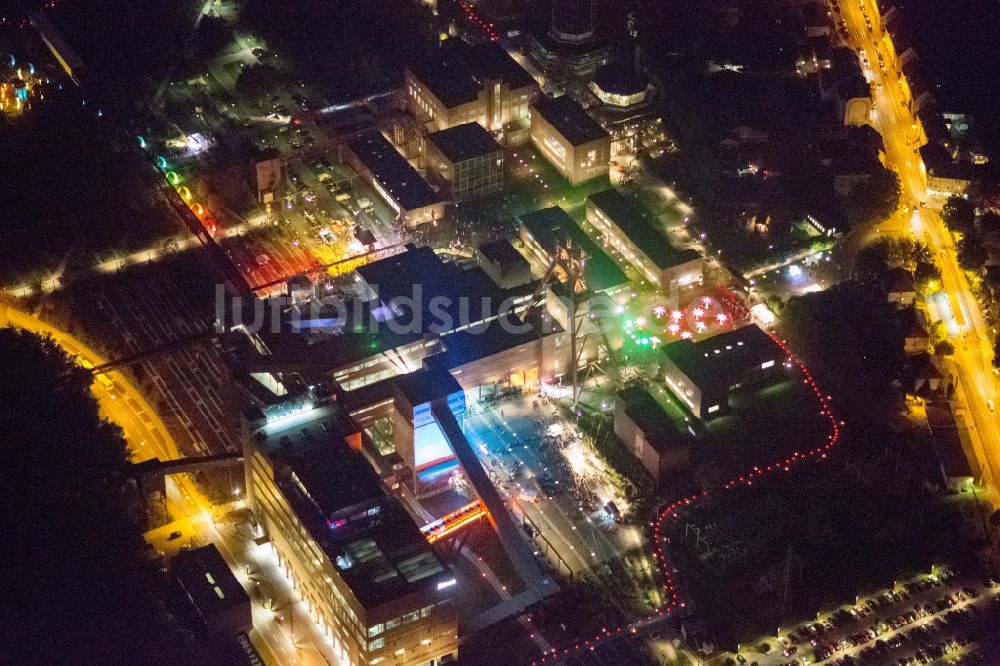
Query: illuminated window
x,y
766,364
713,408
376,644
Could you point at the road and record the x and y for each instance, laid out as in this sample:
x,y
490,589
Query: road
x,y
902,135
147,437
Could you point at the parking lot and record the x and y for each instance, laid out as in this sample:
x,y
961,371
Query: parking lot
x,y
932,619
322,212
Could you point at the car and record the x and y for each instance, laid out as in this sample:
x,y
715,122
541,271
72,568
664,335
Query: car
x,y
790,650
176,534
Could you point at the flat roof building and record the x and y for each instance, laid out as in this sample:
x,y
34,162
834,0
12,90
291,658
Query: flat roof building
x,y
503,263
459,83
64,54
542,230
648,433
359,563
405,190
467,159
219,600
634,235
702,374
570,139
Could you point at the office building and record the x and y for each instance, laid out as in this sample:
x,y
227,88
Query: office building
x,y
634,236
364,571
458,83
573,142
467,159
386,170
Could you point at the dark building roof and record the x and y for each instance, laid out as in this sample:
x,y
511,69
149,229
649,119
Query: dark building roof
x,y
421,272
488,62
898,281
208,581
638,227
649,416
477,343
551,225
911,323
450,83
569,119
456,72
947,443
392,170
723,360
941,165
502,253
425,385
620,78
464,142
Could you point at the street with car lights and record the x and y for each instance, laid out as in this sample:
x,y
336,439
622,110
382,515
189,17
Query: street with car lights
x,y
895,118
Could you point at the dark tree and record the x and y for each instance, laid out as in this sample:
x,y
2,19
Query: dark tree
x,y
886,253
989,222
876,200
849,333
972,253
257,80
958,214
75,578
213,35
927,275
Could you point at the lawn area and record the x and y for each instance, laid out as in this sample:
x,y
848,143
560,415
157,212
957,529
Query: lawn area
x,y
766,423
820,535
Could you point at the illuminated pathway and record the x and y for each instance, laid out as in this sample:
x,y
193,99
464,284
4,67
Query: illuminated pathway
x,y
676,509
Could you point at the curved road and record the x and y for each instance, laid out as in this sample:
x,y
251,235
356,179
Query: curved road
x,y
147,436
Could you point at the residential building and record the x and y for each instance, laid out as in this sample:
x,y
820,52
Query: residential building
x,y
915,336
703,374
924,376
899,287
634,236
946,174
467,159
573,142
648,433
374,586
